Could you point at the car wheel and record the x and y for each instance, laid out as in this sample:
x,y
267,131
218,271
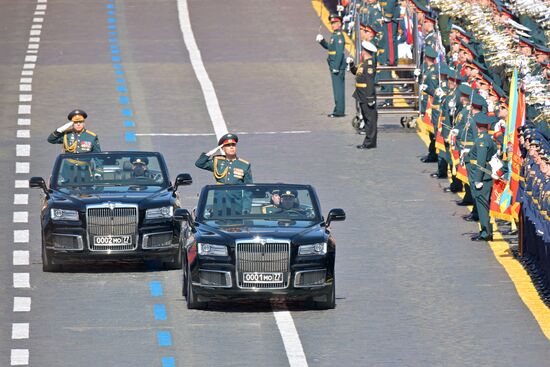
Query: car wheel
x,y
192,302
330,301
47,265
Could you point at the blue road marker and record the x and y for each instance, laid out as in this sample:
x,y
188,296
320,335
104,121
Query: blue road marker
x,y
113,40
156,288
130,123
122,89
127,112
115,51
115,59
112,33
123,100
130,136
112,26
119,72
111,12
121,80
168,362
117,66
111,20
110,6
160,312
164,338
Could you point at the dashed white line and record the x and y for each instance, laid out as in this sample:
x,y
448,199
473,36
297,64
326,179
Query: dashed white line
x,y
21,280
25,87
21,199
39,12
23,150
21,257
34,46
25,98
29,66
27,72
22,304
22,167
19,357
20,217
21,236
41,7
24,122
36,26
23,134
21,184
37,20
25,80
24,109
20,330
31,58
291,340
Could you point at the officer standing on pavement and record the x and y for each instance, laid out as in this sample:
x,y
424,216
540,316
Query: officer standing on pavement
x,y
336,63
365,92
228,168
74,136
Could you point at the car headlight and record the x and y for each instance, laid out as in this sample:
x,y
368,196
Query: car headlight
x,y
159,213
64,214
212,250
314,249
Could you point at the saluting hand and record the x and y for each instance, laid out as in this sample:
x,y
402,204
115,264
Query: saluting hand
x,y
65,127
210,153
319,37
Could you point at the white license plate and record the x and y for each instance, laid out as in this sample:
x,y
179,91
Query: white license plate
x,y
112,240
263,277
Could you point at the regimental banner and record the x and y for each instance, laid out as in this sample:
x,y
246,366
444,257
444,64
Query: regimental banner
x,y
495,211
439,139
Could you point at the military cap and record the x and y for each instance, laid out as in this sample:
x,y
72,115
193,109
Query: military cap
x,y
430,52
482,120
291,193
367,27
430,19
524,42
463,33
455,75
335,17
228,139
77,115
479,101
468,49
444,69
465,89
139,160
275,192
540,49
420,6
368,46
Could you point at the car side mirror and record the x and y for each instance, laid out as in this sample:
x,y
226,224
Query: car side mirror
x,y
183,179
335,215
38,182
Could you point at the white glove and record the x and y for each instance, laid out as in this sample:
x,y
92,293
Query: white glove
x,y
346,18
495,163
351,24
455,56
416,72
494,176
210,153
423,87
464,151
371,104
335,71
65,127
479,185
339,8
499,125
97,175
454,132
319,37
439,92
349,60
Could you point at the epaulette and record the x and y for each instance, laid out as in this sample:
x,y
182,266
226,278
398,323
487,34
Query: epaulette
x,y
91,133
219,157
244,161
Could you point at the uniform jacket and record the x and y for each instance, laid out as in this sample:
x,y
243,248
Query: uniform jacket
x,y
481,153
335,47
364,81
85,142
226,171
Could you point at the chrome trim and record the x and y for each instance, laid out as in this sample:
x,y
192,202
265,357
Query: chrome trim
x,y
298,275
79,241
113,248
267,286
146,237
228,279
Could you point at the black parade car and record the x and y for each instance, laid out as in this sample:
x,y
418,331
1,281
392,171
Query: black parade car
x,y
110,206
260,241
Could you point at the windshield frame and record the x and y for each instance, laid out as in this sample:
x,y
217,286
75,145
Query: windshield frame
x,y
102,155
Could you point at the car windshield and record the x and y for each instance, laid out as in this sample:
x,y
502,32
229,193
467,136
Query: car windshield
x,y
116,169
259,205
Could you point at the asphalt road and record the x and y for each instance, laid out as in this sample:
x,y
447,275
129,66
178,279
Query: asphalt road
x,y
412,289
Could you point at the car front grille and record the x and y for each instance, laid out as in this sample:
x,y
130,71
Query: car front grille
x,y
116,220
263,258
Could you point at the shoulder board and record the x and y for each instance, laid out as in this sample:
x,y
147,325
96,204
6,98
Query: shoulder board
x,y
370,62
91,133
219,157
244,161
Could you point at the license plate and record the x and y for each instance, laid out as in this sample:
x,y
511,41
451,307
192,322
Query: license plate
x,y
112,240
263,277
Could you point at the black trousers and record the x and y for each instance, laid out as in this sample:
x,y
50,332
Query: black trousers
x,y
370,117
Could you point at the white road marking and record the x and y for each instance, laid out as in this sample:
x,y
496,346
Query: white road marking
x,y
32,51
34,46
21,257
21,304
25,98
22,167
285,323
23,150
20,217
31,58
21,236
35,32
25,87
29,66
25,80
238,133
21,199
27,72
34,40
212,104
42,1
37,20
20,330
24,109
39,12
36,26
41,7
23,134
21,184
24,122
21,280
19,357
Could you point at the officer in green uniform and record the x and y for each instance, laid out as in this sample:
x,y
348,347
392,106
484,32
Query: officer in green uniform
x,y
74,136
439,95
430,82
228,169
365,92
336,63
274,203
480,155
77,139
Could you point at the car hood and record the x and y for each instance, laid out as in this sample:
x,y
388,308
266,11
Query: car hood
x,y
133,197
314,233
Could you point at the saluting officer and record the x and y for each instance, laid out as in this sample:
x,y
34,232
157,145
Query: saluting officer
x,y
228,169
365,92
336,63
74,136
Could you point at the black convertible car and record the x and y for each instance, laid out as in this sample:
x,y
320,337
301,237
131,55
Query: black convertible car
x,y
259,241
110,206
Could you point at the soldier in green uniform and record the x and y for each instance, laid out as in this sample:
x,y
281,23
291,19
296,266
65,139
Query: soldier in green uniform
x,y
365,92
74,136
439,96
480,155
336,63
430,82
274,203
